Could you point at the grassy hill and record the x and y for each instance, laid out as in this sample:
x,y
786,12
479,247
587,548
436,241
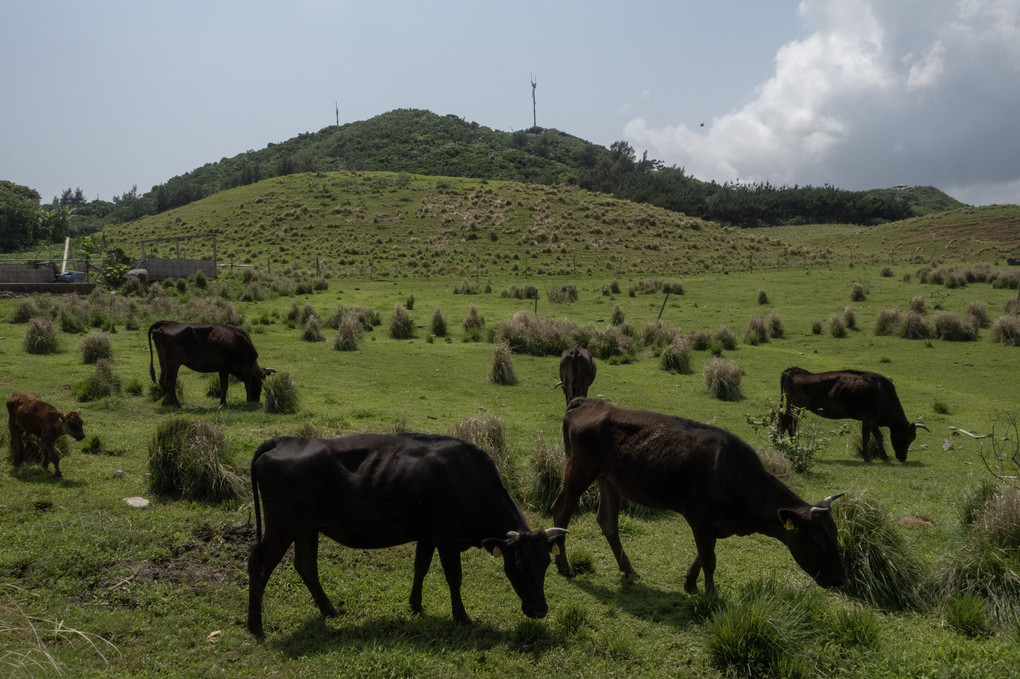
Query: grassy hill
x,y
400,224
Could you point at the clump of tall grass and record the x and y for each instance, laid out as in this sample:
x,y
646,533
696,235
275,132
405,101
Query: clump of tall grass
x,y
837,326
755,332
438,323
280,393
951,328
987,562
368,318
186,461
725,338
798,450
761,633
881,568
886,272
41,337
850,317
858,292
526,334
100,384
914,327
722,378
977,314
676,357
489,433
916,304
617,318
763,297
25,311
501,370
401,324
528,291
473,326
1006,331
563,294
349,331
613,344
887,322
545,474
213,310
94,346
775,326
651,286
311,331
967,614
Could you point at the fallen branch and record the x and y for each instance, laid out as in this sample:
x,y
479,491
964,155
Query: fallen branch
x,y
973,436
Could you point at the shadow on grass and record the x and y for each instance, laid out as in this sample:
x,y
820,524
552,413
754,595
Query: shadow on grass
x,y
30,473
672,607
319,635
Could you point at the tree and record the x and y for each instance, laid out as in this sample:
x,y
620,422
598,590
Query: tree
x,y
19,216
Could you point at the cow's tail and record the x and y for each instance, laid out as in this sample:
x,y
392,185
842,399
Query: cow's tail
x,y
264,448
152,371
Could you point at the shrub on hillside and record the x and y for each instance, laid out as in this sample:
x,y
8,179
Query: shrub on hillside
x,y
887,322
725,337
881,568
94,346
977,314
722,378
914,327
438,324
349,331
763,297
951,328
279,392
1006,331
501,370
755,332
186,461
612,343
837,326
311,331
859,292
775,326
401,324
41,337
676,357
850,318
617,318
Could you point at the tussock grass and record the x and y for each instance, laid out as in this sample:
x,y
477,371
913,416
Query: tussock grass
x,y
881,568
501,369
41,337
438,324
401,324
1006,331
349,331
722,378
914,327
489,432
951,328
525,334
676,357
100,384
280,393
887,322
186,461
755,332
94,346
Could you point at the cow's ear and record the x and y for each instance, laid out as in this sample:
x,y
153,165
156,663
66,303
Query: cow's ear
x,y
496,546
790,519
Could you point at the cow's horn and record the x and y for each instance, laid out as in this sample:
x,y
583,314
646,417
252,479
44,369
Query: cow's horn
x,y
556,532
921,425
824,504
557,385
819,510
512,535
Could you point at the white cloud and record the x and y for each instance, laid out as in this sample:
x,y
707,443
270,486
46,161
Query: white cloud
x,y
915,92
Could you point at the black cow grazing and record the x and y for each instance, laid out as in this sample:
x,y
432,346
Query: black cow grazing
x,y
849,394
369,491
705,473
577,372
205,348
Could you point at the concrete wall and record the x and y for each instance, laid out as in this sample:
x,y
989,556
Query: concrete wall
x,y
25,273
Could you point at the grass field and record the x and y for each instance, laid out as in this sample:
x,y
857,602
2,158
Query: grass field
x,y
90,586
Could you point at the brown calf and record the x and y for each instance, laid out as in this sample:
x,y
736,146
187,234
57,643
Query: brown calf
x,y
33,416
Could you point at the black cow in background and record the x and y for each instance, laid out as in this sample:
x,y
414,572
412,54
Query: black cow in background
x,y
205,348
369,491
577,372
849,394
705,473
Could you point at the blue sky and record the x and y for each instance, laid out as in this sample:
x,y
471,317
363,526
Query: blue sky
x,y
855,93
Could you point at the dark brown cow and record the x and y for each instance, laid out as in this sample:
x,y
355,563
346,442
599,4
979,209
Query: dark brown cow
x,y
30,415
849,394
369,491
577,372
705,473
205,348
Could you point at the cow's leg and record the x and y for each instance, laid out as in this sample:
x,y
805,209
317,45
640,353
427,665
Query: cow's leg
x,y
50,454
224,379
422,561
610,502
449,557
17,452
563,508
704,540
306,562
168,383
876,431
264,557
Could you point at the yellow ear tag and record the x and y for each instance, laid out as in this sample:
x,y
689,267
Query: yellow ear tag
x,y
789,524
496,551
555,551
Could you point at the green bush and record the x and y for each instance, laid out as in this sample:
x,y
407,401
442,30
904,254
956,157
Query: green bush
x,y
280,394
100,384
185,461
401,324
41,337
722,378
438,323
501,370
94,346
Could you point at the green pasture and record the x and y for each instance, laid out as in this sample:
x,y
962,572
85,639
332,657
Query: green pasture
x,y
92,587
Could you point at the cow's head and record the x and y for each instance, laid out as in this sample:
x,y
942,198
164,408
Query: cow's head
x,y
902,437
253,382
810,535
526,557
72,424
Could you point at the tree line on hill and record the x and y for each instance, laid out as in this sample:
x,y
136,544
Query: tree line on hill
x,y
421,142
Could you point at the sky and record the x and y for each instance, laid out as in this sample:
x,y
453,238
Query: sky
x,y
109,95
